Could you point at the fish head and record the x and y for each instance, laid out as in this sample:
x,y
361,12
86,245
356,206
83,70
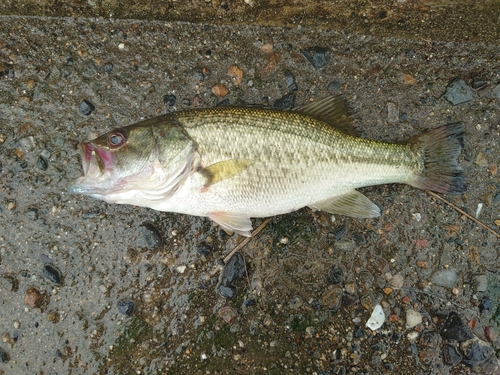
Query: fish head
x,y
113,161
141,164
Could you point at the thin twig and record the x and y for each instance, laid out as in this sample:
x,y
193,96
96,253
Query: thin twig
x,y
470,217
241,245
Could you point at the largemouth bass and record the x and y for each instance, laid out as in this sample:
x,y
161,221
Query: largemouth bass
x,y
231,164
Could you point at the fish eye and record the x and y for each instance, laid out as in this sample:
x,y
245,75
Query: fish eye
x,y
116,139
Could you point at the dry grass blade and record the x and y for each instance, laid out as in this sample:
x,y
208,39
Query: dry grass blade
x,y
470,217
241,245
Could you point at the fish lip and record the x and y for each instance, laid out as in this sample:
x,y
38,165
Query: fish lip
x,y
93,169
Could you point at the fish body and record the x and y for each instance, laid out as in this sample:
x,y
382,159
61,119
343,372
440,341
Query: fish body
x,y
231,164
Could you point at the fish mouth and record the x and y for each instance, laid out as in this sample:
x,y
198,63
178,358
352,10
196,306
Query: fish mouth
x,y
95,163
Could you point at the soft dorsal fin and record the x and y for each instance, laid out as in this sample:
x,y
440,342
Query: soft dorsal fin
x,y
333,110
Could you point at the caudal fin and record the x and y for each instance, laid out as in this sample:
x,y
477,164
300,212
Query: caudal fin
x,y
438,150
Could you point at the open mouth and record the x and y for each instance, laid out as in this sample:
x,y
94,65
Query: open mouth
x,y
92,162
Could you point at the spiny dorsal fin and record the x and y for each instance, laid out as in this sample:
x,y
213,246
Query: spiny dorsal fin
x,y
224,169
333,110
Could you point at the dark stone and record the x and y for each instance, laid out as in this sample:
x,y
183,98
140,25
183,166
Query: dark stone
x,y
169,100
336,275
317,56
455,329
290,81
52,273
234,269
186,102
42,163
429,339
485,304
451,355
358,239
458,92
86,107
249,302
339,231
4,356
478,83
204,249
126,307
223,103
151,235
7,71
285,102
108,68
335,86
475,352
358,333
227,291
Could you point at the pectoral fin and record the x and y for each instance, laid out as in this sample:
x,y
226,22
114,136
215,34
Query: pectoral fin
x,y
232,222
352,204
224,169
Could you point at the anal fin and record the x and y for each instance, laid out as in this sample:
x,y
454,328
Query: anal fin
x,y
352,204
232,222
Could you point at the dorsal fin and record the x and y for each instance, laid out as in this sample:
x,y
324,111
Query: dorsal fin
x,y
333,110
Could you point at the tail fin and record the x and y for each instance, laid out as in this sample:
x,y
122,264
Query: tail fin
x,y
438,150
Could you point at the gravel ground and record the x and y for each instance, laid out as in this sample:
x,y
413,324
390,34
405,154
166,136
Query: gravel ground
x,y
92,288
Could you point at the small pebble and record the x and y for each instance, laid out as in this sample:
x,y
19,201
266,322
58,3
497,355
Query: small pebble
x,y
121,45
220,90
336,275
335,86
412,336
408,79
52,273
332,298
236,74
86,107
296,303
290,81
317,56
413,318
169,100
476,351
490,333
42,163
227,291
151,235
480,282
392,112
455,329
446,278
344,246
285,102
451,355
126,307
108,68
181,269
4,356
397,281
377,318
33,297
481,160
458,92
228,313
